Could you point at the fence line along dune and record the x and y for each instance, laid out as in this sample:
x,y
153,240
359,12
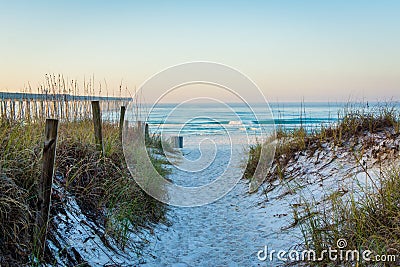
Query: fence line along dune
x,y
60,98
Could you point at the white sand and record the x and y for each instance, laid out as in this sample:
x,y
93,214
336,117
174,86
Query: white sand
x,y
230,231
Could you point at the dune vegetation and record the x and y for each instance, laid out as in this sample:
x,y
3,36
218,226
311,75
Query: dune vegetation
x,y
367,216
101,184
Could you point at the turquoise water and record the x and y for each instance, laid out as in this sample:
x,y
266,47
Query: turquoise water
x,y
216,118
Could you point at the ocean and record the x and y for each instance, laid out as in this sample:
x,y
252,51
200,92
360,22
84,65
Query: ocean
x,y
199,119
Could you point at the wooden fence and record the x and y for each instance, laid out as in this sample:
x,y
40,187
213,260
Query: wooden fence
x,y
49,155
62,107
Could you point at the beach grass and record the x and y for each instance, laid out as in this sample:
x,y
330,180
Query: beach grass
x,y
352,123
367,218
102,184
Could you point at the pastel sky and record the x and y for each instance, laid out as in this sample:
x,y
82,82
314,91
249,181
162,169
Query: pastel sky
x,y
316,50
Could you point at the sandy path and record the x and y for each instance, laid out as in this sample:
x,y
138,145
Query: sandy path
x,y
228,232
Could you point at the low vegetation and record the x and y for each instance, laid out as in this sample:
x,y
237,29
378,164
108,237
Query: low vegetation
x,y
102,185
368,218
353,123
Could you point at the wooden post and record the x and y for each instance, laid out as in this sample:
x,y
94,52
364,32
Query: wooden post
x,y
177,141
2,109
97,125
5,109
20,109
146,133
121,121
45,184
42,109
28,110
13,110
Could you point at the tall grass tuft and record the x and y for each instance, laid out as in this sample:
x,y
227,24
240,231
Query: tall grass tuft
x,y
102,184
368,220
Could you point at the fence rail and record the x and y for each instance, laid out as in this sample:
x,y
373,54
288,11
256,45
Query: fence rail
x,y
35,107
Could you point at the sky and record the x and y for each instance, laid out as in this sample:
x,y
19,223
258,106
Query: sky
x,y
293,50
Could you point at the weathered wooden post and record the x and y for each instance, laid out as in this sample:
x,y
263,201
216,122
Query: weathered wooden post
x,y
42,109
20,109
121,121
177,141
28,110
45,184
146,133
13,110
98,135
2,109
5,109
142,128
